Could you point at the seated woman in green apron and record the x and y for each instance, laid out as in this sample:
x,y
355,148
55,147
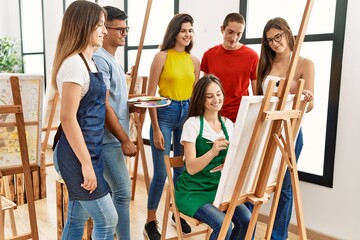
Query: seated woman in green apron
x,y
205,138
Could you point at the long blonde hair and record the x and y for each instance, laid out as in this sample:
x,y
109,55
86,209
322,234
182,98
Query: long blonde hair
x,y
79,21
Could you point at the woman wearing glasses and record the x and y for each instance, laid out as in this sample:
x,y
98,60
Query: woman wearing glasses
x,y
276,49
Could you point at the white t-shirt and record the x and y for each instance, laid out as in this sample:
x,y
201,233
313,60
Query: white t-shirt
x,y
73,69
266,82
191,130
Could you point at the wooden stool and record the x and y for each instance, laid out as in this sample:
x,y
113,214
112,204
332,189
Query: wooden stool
x,y
62,200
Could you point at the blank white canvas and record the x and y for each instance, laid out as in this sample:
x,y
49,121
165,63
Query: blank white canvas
x,y
244,126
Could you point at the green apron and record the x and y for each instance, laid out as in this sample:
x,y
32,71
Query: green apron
x,y
194,191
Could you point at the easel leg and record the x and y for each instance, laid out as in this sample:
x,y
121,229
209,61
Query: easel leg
x,y
134,175
6,193
295,181
275,200
2,219
298,203
140,145
253,221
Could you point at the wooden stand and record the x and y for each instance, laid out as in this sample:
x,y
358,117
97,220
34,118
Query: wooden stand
x,y
139,117
20,124
139,120
287,121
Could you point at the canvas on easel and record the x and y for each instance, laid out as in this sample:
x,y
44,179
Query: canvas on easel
x,y
248,153
259,159
31,88
16,107
247,114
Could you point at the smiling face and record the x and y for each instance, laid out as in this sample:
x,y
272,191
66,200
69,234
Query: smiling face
x,y
117,32
232,34
185,35
97,36
277,40
214,98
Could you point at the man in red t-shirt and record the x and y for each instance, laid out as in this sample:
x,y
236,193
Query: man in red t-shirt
x,y
233,63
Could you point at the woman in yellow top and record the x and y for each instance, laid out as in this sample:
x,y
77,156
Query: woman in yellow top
x,y
174,70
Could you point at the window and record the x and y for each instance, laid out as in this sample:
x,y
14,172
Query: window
x,y
161,13
32,35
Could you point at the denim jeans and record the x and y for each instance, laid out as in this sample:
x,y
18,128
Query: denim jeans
x,y
284,210
171,119
213,217
117,176
101,210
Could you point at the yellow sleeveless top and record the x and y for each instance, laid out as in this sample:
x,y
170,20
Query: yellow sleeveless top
x,y
177,78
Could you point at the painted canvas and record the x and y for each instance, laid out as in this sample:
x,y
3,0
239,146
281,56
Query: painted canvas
x,y
31,88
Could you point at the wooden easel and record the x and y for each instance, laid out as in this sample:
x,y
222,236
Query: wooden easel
x,y
281,120
20,124
44,144
139,117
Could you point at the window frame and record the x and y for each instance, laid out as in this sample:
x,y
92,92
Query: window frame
x,y
128,48
43,53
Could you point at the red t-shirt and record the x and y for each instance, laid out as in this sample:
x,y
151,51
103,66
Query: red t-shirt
x,y
235,69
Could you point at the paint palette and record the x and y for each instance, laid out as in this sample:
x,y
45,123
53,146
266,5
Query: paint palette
x,y
149,101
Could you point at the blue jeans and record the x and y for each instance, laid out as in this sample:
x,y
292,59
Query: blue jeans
x,y
213,217
117,176
101,210
171,119
284,210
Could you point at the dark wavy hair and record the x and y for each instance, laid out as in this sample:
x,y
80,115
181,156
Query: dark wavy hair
x,y
198,96
267,54
173,29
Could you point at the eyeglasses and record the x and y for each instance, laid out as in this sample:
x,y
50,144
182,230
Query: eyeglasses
x,y
122,30
276,38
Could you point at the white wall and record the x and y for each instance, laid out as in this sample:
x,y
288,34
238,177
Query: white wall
x,y
333,211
